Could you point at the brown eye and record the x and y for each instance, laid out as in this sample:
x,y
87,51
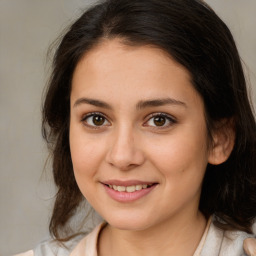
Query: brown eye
x,y
98,120
95,120
159,120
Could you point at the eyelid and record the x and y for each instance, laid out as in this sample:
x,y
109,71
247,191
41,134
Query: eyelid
x,y
90,114
169,117
84,116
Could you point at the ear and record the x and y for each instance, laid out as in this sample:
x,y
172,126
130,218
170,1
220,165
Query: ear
x,y
223,142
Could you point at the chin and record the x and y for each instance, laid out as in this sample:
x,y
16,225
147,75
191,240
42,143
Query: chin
x,y
129,221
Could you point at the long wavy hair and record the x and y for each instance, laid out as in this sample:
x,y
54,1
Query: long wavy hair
x,y
190,32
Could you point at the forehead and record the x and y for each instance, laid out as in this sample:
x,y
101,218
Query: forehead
x,y
113,68
113,50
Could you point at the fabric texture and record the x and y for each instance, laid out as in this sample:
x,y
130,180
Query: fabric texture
x,y
214,242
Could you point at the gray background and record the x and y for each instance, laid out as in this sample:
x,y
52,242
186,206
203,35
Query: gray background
x,y
27,27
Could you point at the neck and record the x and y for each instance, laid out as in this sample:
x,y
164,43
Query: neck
x,y
179,236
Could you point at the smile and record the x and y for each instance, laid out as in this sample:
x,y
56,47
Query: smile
x,y
129,189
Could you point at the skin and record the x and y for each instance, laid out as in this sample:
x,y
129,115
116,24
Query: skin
x,y
129,144
250,246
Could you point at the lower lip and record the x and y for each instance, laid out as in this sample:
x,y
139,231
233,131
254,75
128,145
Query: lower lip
x,y
125,197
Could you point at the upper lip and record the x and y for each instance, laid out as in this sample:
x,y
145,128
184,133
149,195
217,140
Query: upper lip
x,y
127,183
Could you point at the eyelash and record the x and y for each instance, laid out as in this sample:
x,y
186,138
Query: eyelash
x,y
167,119
94,114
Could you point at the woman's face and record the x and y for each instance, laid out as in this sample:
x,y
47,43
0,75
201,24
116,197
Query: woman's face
x,y
138,136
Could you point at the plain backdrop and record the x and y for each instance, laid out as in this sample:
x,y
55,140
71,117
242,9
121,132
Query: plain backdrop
x,y
27,28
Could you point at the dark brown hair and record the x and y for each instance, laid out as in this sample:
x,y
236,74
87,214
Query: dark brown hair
x,y
190,32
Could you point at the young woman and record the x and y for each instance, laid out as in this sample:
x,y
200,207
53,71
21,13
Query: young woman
x,y
148,117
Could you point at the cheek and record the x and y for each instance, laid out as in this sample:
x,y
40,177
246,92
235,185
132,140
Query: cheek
x,y
182,163
85,155
84,166
182,157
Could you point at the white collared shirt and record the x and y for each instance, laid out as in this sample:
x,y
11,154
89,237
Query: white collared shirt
x,y
214,242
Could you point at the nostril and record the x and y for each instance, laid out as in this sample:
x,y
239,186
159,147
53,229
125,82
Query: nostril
x,y
123,153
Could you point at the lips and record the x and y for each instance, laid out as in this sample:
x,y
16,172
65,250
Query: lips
x,y
128,191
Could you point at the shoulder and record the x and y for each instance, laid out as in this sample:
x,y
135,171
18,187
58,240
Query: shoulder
x,y
232,243
224,243
88,245
73,247
53,248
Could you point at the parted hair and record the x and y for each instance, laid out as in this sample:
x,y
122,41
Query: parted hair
x,y
193,35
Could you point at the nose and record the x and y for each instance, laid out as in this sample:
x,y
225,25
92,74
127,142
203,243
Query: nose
x,y
124,151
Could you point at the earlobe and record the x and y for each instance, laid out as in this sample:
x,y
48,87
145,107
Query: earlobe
x,y
223,143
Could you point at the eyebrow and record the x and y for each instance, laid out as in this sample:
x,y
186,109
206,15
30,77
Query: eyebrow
x,y
94,102
140,105
159,102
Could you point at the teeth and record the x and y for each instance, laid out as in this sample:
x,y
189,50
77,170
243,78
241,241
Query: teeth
x,y
120,188
129,189
138,187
